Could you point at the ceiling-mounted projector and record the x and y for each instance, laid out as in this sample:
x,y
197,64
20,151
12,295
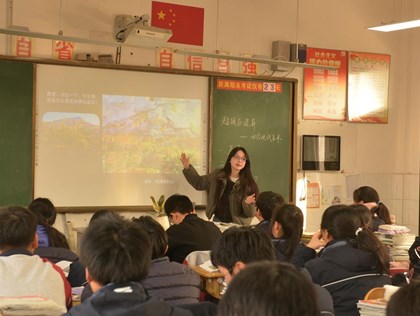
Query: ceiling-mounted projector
x,y
135,31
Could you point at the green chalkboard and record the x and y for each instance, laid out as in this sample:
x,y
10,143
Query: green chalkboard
x,y
257,115
16,99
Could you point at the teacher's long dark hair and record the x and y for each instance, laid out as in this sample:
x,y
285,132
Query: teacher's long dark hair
x,y
246,181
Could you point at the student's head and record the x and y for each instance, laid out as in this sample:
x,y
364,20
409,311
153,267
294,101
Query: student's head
x,y
266,202
343,222
406,301
238,246
17,229
44,210
366,194
156,233
102,214
340,222
115,250
178,206
364,212
287,223
269,288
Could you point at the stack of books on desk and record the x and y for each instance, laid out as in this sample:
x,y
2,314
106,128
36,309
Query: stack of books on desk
x,y
374,307
398,239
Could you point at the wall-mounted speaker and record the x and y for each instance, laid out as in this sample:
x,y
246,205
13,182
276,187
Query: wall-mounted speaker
x,y
280,51
298,53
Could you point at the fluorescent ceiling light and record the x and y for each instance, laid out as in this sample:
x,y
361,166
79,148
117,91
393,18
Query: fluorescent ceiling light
x,y
389,27
254,60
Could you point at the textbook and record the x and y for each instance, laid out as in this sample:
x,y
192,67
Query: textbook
x,y
374,307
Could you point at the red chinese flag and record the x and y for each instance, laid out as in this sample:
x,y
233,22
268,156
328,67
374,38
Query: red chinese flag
x,y
186,23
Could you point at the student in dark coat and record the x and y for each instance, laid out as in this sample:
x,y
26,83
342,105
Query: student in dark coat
x,y
240,246
173,282
266,203
287,228
189,232
117,253
352,262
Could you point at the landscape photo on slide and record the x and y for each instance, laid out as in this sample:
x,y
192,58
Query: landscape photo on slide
x,y
64,130
146,135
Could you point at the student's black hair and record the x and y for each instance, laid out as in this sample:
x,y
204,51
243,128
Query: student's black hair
x,y
244,244
247,183
368,194
46,213
364,212
17,227
156,233
267,201
290,217
178,203
406,301
343,222
44,210
116,250
269,288
103,213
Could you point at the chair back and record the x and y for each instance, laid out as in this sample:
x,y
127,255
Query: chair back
x,y
376,292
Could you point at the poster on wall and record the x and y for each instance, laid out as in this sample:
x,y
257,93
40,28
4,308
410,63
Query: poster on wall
x,y
368,87
324,91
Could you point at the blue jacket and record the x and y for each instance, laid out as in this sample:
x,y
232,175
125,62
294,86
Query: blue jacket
x,y
347,273
300,257
128,299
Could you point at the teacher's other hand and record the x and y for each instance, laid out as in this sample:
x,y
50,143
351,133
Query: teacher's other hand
x,y
250,199
185,161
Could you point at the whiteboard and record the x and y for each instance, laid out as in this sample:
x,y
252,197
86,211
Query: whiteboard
x,y
106,137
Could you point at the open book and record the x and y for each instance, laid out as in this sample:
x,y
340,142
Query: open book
x,y
208,266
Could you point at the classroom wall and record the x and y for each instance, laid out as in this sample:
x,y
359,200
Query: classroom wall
x,y
383,156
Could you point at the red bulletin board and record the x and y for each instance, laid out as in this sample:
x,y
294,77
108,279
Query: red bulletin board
x,y
324,91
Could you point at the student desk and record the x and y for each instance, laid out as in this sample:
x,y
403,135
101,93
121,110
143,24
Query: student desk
x,y
211,281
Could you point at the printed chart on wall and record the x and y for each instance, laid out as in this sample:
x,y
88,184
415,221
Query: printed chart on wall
x,y
257,115
368,87
324,91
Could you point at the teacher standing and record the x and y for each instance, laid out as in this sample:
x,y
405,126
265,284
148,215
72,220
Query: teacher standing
x,y
232,189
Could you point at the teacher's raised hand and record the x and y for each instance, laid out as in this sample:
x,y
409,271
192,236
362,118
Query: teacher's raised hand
x,y
185,161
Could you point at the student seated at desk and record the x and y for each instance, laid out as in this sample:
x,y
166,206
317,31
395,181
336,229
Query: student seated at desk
x,y
171,281
116,253
352,262
406,301
238,247
369,197
189,232
269,288
21,272
266,203
46,214
287,228
53,244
